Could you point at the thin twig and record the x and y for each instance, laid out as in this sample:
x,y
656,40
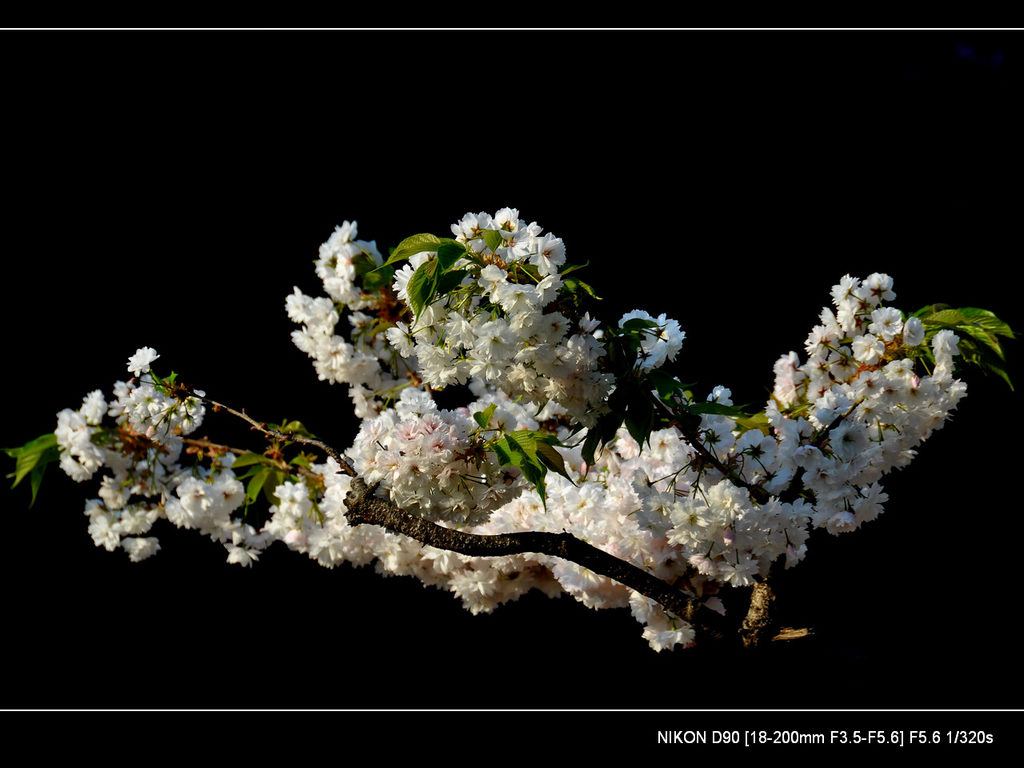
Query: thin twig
x,y
793,490
262,427
757,493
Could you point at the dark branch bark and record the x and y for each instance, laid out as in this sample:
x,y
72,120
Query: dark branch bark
x,y
365,508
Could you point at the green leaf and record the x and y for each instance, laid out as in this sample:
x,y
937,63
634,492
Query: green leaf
x,y
246,459
639,419
376,279
757,421
507,455
586,288
363,263
492,238
412,245
946,317
590,445
572,285
1000,372
517,267
275,478
533,453
483,418
979,331
255,485
602,432
35,479
422,286
552,459
986,338
621,352
31,460
526,440
296,428
450,280
569,268
535,473
987,320
666,384
929,309
635,324
449,253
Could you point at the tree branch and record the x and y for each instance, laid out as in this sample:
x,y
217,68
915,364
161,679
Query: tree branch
x,y
793,490
757,493
262,427
365,508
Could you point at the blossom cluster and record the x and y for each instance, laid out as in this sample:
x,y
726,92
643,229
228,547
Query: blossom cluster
x,y
431,460
138,437
713,507
498,324
336,357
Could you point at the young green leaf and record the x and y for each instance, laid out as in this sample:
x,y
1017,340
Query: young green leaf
x,y
757,421
275,477
979,331
296,428
483,418
255,485
602,432
31,460
639,418
569,268
376,279
552,459
526,441
363,263
422,286
636,324
535,473
507,455
492,238
667,385
573,285
412,245
247,459
450,280
35,480
302,461
449,253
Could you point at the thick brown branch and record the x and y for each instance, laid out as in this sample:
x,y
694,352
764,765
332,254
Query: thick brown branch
x,y
365,508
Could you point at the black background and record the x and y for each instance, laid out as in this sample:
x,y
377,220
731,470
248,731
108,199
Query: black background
x,y
170,188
